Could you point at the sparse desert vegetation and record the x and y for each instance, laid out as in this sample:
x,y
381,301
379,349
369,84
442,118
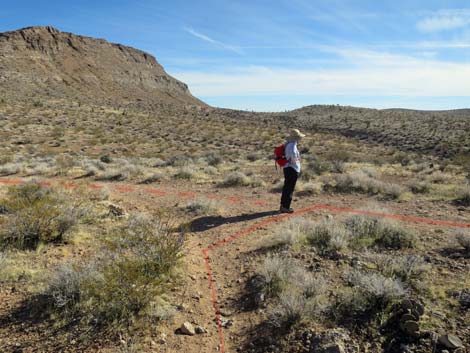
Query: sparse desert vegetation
x,y
88,261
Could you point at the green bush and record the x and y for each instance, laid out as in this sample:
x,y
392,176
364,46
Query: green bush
x,y
36,214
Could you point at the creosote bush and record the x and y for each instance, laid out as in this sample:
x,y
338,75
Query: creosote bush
x,y
36,214
126,282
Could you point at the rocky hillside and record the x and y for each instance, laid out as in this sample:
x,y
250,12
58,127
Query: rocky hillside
x,y
43,62
440,133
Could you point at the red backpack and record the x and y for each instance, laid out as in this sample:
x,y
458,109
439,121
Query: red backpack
x,y
279,156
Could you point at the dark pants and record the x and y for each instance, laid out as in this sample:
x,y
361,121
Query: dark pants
x,y
290,178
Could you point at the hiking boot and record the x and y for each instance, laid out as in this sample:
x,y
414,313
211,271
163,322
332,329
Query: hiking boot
x,y
286,210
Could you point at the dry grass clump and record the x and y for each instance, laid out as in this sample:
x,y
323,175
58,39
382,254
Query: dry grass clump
x,y
36,214
124,283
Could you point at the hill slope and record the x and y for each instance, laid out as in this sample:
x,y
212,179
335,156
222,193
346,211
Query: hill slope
x,y
40,62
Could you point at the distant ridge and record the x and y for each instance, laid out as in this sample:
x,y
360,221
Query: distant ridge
x,y
45,62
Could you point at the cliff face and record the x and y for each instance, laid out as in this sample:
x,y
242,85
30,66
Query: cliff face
x,y
42,61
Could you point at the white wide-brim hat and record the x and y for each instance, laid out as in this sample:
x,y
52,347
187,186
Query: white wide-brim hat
x,y
296,133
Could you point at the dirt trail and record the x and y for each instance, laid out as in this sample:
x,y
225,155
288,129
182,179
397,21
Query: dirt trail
x,y
218,269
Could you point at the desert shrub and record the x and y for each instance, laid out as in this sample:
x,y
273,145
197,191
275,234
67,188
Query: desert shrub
x,y
422,187
410,269
120,173
391,235
298,292
235,179
401,157
463,239
64,162
277,187
439,177
213,159
179,161
364,230
252,157
367,296
125,282
202,207
289,233
186,173
367,231
275,271
307,283
10,169
106,159
291,308
309,189
255,181
6,158
314,166
328,236
151,178
36,214
463,197
360,181
210,170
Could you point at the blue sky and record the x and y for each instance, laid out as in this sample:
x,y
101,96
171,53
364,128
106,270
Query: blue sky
x,y
283,54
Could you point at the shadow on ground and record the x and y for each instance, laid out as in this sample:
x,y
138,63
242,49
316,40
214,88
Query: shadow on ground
x,y
205,223
31,320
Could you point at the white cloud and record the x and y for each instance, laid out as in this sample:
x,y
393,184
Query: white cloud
x,y
212,41
368,73
445,20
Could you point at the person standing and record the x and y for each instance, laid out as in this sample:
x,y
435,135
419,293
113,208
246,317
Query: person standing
x,y
291,169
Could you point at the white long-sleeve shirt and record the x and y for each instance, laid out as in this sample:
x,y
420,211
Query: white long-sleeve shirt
x,y
293,156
